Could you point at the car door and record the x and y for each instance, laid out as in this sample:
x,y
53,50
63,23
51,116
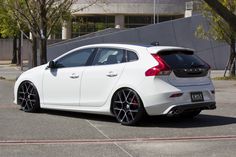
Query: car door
x,y
99,79
61,85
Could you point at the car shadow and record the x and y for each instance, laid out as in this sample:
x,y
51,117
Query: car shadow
x,y
154,121
201,120
80,115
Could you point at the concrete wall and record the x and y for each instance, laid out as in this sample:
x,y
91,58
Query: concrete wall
x,y
171,33
132,7
6,48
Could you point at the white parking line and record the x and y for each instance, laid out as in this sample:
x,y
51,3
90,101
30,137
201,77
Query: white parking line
x,y
116,144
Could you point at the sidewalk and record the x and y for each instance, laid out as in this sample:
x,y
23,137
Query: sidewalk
x,y
9,71
5,62
217,73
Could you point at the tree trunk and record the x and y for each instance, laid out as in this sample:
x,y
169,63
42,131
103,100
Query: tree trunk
x,y
34,51
43,51
14,52
232,58
43,33
19,50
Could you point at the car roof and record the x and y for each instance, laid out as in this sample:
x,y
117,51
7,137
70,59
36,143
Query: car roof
x,y
151,49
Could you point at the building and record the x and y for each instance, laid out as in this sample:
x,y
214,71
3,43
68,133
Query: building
x,y
122,14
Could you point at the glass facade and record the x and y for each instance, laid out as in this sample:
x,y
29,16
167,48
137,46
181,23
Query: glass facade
x,y
139,21
88,24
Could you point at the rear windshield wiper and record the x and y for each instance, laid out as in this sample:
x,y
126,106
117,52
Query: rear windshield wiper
x,y
194,65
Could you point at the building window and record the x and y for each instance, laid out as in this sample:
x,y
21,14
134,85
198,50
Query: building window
x,y
139,21
169,17
88,24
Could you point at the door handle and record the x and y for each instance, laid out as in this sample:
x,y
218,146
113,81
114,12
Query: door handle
x,y
74,76
112,74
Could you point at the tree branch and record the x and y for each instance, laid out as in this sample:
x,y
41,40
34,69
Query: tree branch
x,y
220,9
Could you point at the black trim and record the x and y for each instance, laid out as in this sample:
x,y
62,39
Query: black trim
x,y
91,57
192,107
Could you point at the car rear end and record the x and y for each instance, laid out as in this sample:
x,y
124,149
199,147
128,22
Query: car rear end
x,y
180,82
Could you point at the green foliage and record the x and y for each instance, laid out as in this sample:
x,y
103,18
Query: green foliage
x,y
218,29
8,25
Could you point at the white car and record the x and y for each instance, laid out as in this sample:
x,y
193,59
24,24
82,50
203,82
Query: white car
x,y
123,80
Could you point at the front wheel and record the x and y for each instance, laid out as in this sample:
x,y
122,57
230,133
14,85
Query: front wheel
x,y
27,97
127,106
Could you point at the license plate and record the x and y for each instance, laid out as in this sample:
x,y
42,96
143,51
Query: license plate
x,y
197,96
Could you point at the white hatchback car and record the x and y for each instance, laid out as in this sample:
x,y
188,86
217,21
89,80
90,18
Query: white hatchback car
x,y
123,80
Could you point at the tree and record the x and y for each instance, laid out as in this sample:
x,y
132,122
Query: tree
x,y
220,30
41,17
8,28
223,11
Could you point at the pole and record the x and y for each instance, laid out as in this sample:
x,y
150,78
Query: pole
x,y
21,47
154,11
158,10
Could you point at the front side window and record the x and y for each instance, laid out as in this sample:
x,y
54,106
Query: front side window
x,y
107,56
75,59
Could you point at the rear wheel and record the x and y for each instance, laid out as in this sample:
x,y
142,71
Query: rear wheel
x,y
28,97
127,106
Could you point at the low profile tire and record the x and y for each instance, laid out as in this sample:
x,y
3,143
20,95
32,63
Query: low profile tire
x,y
27,97
127,106
190,114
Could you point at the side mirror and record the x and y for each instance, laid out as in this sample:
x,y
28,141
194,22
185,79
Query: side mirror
x,y
52,65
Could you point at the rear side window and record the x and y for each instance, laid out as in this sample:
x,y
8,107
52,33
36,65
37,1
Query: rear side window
x,y
107,56
131,56
182,60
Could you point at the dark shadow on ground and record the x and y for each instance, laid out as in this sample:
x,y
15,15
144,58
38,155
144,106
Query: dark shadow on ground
x,y
80,115
155,121
201,120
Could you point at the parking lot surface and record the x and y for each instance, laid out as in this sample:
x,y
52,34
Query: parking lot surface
x,y
59,133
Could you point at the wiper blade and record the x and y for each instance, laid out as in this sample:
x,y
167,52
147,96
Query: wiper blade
x,y
194,65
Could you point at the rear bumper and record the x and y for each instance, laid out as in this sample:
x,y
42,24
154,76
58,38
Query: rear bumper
x,y
156,96
191,107
177,109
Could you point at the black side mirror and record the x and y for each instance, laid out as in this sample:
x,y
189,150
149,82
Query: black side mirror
x,y
52,65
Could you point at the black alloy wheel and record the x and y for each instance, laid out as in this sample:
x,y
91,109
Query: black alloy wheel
x,y
27,97
127,106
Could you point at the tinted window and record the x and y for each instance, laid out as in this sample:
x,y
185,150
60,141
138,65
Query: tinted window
x,y
182,59
131,56
109,56
77,58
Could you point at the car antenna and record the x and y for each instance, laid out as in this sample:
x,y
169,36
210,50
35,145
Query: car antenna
x,y
155,43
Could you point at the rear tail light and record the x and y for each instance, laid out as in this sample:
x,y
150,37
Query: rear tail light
x,y
161,69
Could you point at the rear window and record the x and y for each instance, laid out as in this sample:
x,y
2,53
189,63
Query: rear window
x,y
182,59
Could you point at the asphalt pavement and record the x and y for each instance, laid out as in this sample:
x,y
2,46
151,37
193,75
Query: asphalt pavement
x,y
58,133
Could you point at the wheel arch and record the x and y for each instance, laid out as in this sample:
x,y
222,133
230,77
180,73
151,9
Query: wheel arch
x,y
120,88
32,83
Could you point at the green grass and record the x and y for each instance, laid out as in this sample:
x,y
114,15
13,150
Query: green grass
x,y
225,78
